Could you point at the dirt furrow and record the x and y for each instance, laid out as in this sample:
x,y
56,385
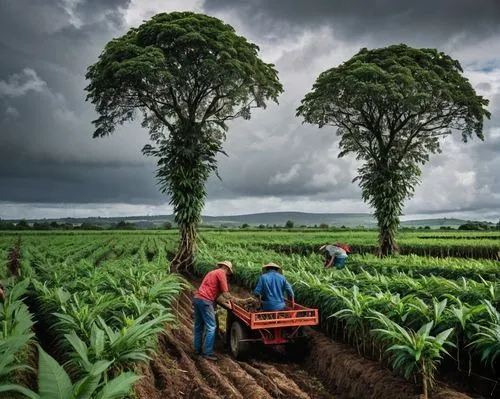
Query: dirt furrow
x,y
286,385
217,380
242,380
308,383
263,380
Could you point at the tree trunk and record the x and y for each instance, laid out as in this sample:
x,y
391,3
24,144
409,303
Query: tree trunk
x,y
388,203
184,259
387,241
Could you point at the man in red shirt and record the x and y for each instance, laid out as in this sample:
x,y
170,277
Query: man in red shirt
x,y
214,284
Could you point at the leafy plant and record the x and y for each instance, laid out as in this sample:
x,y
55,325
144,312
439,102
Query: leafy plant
x,y
9,347
486,340
413,353
55,383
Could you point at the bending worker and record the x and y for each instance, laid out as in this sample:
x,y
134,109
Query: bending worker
x,y
213,286
271,288
334,254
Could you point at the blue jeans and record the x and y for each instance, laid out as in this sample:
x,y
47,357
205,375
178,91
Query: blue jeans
x,y
340,262
204,316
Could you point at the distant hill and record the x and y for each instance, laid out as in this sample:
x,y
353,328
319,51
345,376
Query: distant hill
x,y
268,218
299,218
434,223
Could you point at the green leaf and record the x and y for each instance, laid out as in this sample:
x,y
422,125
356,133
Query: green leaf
x,y
100,367
20,389
97,340
84,388
53,381
119,386
443,336
80,348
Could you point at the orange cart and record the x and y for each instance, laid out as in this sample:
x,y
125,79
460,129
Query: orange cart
x,y
282,328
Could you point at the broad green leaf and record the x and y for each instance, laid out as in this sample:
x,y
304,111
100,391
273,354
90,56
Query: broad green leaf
x,y
100,367
80,348
119,386
53,381
20,389
85,388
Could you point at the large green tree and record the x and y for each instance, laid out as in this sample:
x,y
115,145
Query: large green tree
x,y
391,107
186,75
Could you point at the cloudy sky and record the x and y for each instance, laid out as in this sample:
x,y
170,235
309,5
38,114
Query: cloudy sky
x,y
51,167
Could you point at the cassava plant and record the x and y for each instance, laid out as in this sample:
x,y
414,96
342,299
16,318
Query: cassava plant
x,y
413,352
55,383
486,340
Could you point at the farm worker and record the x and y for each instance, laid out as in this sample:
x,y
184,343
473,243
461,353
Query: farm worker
x,y
213,285
271,288
334,254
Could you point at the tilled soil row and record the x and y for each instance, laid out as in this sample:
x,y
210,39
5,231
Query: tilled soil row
x,y
176,372
331,370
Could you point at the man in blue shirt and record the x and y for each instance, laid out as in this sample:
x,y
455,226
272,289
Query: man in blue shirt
x,y
271,288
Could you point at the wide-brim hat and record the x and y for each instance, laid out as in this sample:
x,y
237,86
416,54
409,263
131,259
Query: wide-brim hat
x,y
273,265
323,247
226,263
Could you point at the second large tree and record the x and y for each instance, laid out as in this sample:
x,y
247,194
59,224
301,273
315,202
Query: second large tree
x,y
186,75
391,107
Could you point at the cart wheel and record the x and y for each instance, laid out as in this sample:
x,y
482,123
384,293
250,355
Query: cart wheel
x,y
238,348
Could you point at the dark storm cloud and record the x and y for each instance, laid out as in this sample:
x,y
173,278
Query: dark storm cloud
x,y
80,185
382,18
47,154
46,150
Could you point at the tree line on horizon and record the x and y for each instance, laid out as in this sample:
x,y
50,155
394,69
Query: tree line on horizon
x,y
23,224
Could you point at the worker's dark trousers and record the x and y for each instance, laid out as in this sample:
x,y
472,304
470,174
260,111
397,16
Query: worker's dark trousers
x,y
204,317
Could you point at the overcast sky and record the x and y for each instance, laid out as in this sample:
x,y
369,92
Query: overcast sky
x,y
51,167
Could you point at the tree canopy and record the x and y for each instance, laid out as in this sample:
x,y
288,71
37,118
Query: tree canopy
x,y
185,75
392,106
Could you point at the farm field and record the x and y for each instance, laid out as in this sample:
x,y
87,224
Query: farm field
x,y
98,303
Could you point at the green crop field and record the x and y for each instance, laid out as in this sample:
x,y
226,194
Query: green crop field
x,y
96,301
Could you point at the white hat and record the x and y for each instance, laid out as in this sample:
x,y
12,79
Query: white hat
x,y
271,265
226,263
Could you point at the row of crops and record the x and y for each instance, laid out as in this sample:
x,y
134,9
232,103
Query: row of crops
x,y
431,314
90,308
304,243
479,245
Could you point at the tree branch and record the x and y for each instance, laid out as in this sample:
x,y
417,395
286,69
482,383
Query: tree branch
x,y
177,108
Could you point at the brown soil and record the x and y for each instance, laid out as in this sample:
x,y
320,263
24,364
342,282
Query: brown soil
x,y
176,372
331,370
